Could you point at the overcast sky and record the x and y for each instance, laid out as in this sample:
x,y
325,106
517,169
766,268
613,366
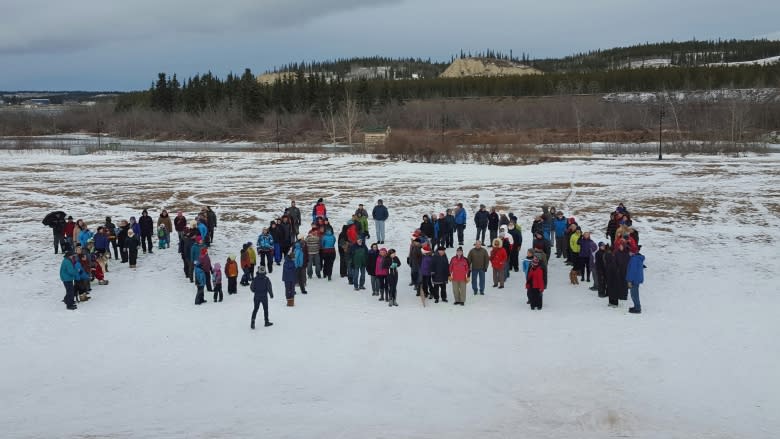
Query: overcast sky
x,y
122,45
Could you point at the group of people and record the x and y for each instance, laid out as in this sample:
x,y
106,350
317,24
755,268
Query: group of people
x,y
87,253
303,253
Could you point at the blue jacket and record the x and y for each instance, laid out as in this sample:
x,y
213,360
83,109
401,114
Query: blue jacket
x,y
195,252
436,230
204,230
136,229
560,226
526,266
82,275
460,217
265,241
328,241
298,255
380,213
288,271
84,236
200,276
546,229
68,271
101,241
636,271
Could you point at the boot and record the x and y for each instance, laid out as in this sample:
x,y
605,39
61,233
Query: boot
x,y
382,296
267,324
395,303
291,302
253,324
215,297
389,302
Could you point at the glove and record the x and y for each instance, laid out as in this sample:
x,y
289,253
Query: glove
x,y
393,266
272,296
630,285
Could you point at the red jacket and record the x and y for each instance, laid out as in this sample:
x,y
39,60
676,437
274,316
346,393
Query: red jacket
x,y
68,230
535,279
352,233
498,258
459,269
231,268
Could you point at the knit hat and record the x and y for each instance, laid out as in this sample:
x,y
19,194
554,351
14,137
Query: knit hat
x,y
459,249
382,250
319,200
261,270
601,244
249,244
441,249
232,257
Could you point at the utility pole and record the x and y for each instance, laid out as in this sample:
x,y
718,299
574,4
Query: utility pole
x,y
98,132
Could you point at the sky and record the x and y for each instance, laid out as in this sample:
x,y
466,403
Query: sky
x,y
112,45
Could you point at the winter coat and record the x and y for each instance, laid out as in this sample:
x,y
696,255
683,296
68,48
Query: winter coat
x,y
380,213
498,258
319,210
121,235
362,222
195,252
295,215
636,272
252,254
482,218
479,259
245,263
517,237
587,248
265,242
615,283
211,218
599,262
203,229
535,279
492,221
381,265
459,269
358,255
415,257
68,229
200,276
425,265
460,216
440,269
217,274
68,271
289,271
299,255
371,264
84,237
132,242
166,221
450,221
527,265
231,268
560,226
352,232
574,242
147,225
328,241
186,247
205,263
313,244
537,227
180,223
426,228
101,241
261,286
612,226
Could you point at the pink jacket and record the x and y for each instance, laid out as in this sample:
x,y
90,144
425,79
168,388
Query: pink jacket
x,y
459,269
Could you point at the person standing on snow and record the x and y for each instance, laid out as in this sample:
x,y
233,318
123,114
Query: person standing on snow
x,y
68,275
295,218
459,273
479,261
265,248
440,273
380,215
534,285
635,275
147,230
392,277
180,223
328,252
460,222
482,221
289,279
262,289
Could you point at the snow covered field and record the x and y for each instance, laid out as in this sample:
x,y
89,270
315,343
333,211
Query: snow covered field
x,y
140,360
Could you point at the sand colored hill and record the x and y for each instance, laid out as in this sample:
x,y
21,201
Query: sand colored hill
x,y
461,68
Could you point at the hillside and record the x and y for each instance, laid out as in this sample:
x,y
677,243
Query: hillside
x,y
485,67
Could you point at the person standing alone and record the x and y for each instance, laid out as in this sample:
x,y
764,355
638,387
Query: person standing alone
x,y
380,215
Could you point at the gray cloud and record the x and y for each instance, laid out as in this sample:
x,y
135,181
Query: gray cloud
x,y
41,26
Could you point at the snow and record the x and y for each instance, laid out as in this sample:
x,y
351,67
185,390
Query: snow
x,y
762,62
140,360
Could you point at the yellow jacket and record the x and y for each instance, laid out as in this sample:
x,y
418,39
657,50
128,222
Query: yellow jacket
x,y
573,244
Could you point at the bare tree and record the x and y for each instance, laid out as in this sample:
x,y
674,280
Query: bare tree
x,y
349,116
329,120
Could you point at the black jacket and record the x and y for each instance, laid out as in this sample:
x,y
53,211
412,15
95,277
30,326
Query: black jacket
x,y
261,286
482,218
440,269
147,225
493,221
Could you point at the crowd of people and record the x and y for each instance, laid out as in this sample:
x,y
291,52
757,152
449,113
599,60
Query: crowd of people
x,y
305,252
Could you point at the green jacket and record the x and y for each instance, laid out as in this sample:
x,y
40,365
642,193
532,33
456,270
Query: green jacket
x,y
358,254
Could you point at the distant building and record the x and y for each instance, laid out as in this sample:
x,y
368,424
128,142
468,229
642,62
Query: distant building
x,y
375,136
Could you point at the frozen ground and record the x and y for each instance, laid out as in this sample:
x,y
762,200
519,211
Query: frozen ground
x,y
140,360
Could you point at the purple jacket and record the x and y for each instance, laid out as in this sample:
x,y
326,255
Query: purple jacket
x,y
425,265
587,249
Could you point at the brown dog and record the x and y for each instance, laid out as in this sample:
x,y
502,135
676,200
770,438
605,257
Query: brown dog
x,y
574,277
